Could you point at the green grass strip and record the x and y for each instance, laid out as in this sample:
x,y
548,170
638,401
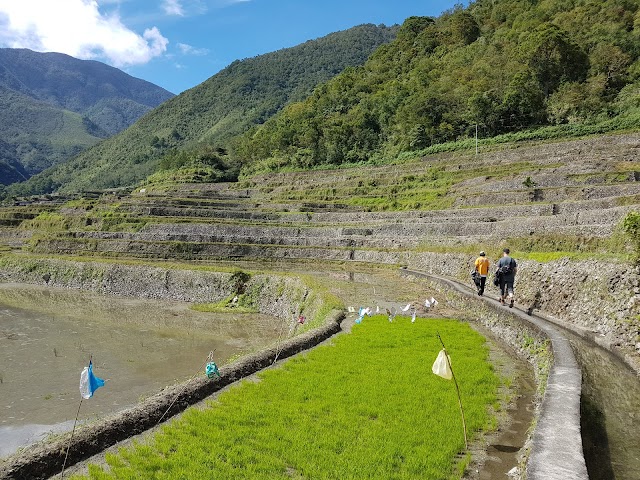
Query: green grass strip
x,y
365,406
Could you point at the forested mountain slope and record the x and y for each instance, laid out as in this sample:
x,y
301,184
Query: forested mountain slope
x,y
205,117
503,65
53,106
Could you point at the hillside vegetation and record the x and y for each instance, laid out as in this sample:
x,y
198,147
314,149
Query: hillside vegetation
x,y
511,70
53,106
502,65
201,120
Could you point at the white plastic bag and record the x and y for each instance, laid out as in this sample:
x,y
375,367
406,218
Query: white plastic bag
x,y
441,366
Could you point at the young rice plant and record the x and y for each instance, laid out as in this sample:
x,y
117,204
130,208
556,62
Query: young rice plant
x,y
364,406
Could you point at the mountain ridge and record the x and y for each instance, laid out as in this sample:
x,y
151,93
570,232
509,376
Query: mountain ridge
x,y
245,93
53,106
495,67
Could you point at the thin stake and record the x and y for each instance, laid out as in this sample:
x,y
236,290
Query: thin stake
x,y
464,423
209,358
281,338
476,139
64,464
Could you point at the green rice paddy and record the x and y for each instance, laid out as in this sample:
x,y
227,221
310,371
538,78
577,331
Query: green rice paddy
x,y
365,405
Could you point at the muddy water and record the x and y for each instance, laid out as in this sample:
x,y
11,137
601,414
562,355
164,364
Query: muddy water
x,y
138,347
610,414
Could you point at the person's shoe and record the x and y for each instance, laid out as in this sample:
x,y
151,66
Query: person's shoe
x,y
511,303
501,301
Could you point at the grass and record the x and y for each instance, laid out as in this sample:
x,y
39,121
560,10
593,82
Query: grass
x,y
365,406
548,247
398,190
221,307
551,133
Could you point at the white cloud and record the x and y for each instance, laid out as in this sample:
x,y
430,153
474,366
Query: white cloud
x,y
77,28
173,7
189,50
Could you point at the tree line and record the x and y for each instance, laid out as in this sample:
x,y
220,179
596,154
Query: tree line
x,y
498,65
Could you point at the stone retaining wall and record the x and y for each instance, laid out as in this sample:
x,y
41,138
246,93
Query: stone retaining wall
x,y
275,295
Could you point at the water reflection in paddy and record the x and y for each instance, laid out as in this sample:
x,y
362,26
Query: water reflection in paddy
x,y
138,347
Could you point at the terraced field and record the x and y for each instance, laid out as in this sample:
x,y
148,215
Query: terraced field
x,y
574,192
558,206
548,202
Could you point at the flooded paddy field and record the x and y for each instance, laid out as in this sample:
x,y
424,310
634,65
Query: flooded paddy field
x,y
138,346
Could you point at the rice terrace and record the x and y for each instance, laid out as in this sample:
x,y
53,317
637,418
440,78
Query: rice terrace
x,y
345,410
406,252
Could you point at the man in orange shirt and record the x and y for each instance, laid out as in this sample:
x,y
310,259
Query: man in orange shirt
x,y
482,267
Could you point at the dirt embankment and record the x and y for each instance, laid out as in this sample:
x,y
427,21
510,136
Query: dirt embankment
x,y
275,295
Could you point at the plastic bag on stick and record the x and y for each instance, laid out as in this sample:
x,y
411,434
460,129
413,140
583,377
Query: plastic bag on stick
x,y
441,365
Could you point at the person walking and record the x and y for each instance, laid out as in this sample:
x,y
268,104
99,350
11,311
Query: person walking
x,y
482,268
506,269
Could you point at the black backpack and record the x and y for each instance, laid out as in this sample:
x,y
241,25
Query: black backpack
x,y
507,269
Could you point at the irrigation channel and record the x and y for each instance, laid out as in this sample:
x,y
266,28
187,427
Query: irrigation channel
x,y
610,413
157,335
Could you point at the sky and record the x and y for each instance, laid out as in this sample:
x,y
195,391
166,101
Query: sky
x,y
178,44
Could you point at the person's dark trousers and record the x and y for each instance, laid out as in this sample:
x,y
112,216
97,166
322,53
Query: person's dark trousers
x,y
483,280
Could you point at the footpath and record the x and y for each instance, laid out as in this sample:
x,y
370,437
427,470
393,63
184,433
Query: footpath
x,y
556,451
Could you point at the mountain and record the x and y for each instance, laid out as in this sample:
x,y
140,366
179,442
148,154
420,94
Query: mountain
x,y
501,66
242,95
10,170
53,106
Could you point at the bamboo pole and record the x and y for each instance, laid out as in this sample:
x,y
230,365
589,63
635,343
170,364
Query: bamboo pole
x,y
64,464
464,423
66,455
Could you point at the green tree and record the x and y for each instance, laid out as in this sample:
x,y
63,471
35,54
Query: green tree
x,y
523,101
554,58
611,62
575,102
463,28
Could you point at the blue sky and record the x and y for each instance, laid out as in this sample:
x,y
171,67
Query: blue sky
x,y
178,44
